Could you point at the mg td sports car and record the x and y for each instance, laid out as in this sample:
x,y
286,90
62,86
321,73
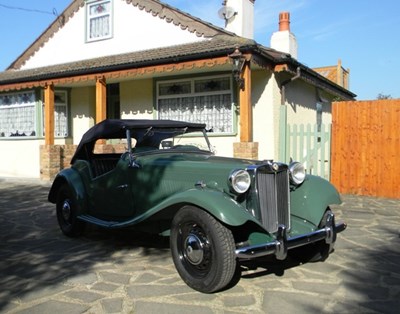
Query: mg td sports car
x,y
162,176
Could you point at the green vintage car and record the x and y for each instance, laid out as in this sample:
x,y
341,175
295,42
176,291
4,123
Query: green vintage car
x,y
162,176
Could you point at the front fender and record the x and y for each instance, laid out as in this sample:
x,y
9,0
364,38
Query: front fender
x,y
217,203
72,178
310,200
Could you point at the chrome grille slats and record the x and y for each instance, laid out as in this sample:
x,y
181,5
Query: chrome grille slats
x,y
273,198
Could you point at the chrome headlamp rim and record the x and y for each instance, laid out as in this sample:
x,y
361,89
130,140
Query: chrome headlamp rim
x,y
297,173
239,181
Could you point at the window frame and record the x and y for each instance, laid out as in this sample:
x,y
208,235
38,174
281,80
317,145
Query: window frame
x,y
67,114
33,114
193,93
67,117
89,18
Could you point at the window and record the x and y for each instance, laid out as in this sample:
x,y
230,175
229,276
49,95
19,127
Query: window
x,y
99,20
17,114
60,114
201,100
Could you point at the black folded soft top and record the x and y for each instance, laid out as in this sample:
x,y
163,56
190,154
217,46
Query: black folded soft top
x,y
116,128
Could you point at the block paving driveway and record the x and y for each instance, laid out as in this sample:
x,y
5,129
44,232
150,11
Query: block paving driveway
x,y
42,271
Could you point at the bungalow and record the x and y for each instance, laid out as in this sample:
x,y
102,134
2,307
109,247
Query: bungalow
x,y
134,59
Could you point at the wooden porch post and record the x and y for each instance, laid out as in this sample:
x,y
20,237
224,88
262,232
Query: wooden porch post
x,y
101,99
49,114
246,148
246,113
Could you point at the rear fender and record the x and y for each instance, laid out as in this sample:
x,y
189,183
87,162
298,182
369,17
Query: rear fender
x,y
72,178
310,200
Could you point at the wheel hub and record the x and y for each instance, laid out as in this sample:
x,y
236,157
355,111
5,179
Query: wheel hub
x,y
194,249
66,210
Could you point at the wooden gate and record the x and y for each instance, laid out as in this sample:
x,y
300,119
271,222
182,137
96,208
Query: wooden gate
x,y
310,145
366,147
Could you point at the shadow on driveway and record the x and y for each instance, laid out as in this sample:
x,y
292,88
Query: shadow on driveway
x,y
35,255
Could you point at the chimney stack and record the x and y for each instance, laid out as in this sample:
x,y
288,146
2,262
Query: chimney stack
x,y
284,40
242,22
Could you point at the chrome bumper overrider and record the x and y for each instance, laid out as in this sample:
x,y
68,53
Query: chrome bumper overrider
x,y
282,244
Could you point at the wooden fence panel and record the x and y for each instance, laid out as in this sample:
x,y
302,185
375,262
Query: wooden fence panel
x,y
366,147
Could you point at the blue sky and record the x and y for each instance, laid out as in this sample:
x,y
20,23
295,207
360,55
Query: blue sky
x,y
365,35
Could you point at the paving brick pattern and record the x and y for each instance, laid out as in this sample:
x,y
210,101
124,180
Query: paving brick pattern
x,y
122,271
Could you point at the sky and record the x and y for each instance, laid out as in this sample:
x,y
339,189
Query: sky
x,y
364,35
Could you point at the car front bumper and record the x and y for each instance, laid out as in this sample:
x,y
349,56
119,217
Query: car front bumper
x,y
282,243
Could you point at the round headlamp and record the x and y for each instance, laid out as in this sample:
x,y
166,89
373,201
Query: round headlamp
x,y
297,173
239,181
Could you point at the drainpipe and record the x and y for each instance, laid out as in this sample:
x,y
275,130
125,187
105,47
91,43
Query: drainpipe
x,y
283,117
284,83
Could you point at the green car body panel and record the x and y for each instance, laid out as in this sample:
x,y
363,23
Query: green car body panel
x,y
167,180
310,200
73,179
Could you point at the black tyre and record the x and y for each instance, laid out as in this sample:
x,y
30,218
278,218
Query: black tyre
x,y
67,213
315,252
203,250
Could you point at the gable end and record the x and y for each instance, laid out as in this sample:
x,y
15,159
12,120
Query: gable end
x,y
154,7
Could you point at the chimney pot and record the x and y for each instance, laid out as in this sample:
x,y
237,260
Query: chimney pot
x,y
283,40
284,21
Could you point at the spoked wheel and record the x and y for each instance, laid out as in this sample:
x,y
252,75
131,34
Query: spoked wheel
x,y
203,250
314,252
67,213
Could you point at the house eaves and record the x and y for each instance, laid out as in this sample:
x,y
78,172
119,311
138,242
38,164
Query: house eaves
x,y
312,77
284,62
220,45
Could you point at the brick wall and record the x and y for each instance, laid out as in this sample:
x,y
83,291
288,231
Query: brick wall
x,y
54,158
245,150
50,161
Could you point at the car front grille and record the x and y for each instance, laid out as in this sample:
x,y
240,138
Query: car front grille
x,y
273,196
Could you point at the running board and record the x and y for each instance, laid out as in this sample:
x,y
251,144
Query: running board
x,y
100,222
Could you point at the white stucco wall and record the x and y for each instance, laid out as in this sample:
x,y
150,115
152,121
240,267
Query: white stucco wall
x,y
20,158
83,114
301,104
265,98
133,30
136,99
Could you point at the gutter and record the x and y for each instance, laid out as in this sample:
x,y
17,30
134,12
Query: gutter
x,y
284,83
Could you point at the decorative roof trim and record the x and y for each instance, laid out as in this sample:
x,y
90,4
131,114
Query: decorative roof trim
x,y
177,17
53,28
134,72
155,7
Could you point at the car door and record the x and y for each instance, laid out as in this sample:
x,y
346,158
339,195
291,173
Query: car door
x,y
112,193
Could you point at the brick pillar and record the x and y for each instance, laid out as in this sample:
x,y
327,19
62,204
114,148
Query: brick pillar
x,y
67,151
104,149
245,150
50,161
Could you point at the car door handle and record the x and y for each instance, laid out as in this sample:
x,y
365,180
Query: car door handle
x,y
122,186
